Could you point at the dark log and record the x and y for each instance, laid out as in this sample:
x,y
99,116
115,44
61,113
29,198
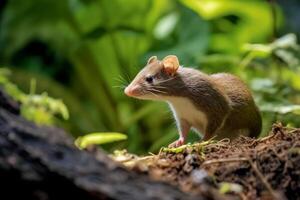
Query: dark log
x,y
39,162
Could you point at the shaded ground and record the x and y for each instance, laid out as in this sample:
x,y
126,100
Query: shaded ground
x,y
42,163
267,168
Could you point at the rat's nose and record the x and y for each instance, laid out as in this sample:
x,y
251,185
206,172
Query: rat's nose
x,y
132,90
127,91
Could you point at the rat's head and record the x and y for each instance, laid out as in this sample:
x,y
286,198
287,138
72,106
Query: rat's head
x,y
154,79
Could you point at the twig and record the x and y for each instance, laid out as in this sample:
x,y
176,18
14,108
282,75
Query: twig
x,y
224,160
224,140
138,159
293,130
262,139
258,173
263,180
216,145
266,138
242,196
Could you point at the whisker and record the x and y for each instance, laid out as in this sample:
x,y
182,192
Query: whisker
x,y
160,91
155,90
164,81
119,86
152,93
158,86
128,77
121,80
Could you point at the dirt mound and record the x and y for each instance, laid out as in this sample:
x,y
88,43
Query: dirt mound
x,y
266,168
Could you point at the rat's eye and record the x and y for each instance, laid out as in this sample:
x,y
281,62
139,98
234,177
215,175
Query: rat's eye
x,y
149,79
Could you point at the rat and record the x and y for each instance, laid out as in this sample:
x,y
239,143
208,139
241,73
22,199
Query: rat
x,y
218,105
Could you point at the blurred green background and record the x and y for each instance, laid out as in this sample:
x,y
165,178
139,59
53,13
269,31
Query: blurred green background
x,y
85,51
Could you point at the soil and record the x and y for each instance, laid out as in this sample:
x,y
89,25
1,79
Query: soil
x,y
43,163
246,168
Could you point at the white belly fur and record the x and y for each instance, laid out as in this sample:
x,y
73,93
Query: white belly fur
x,y
183,108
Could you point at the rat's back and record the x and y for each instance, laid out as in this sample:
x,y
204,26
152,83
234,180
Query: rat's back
x,y
244,117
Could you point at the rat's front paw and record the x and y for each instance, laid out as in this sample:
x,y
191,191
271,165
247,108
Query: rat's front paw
x,y
177,143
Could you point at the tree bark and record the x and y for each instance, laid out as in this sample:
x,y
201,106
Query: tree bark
x,y
40,162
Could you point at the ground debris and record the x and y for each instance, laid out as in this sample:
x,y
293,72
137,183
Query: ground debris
x,y
42,163
265,168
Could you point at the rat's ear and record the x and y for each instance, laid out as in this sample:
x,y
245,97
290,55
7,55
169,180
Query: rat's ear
x,y
171,64
151,59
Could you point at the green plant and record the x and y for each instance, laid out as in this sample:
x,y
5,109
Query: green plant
x,y
41,109
276,71
98,138
95,45
235,22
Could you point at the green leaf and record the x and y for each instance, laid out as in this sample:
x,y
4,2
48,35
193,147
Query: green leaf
x,y
50,105
38,108
263,85
166,25
284,48
99,138
190,37
230,35
281,109
259,50
286,41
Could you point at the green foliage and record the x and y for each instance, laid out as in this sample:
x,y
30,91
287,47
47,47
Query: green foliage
x,y
41,109
277,77
189,44
9,87
96,47
281,109
191,147
230,35
284,49
98,138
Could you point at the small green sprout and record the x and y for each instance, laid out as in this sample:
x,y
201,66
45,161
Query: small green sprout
x,y
226,187
39,108
189,145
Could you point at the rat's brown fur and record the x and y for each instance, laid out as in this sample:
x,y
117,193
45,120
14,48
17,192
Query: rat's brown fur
x,y
224,98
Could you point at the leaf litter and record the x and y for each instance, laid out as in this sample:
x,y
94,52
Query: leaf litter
x,y
245,168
